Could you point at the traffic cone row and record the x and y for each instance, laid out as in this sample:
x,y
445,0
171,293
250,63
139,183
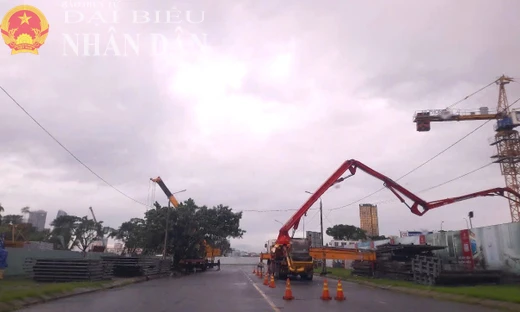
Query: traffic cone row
x,y
325,295
288,295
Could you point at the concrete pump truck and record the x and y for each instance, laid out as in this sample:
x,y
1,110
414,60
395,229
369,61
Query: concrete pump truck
x,y
293,256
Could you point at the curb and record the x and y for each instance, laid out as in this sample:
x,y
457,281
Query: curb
x,y
506,306
18,304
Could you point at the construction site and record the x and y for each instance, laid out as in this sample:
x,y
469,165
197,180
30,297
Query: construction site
x,y
471,256
487,255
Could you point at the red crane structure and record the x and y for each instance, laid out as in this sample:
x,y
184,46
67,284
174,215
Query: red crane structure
x,y
418,206
292,256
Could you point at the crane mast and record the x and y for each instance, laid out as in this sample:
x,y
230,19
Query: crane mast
x,y
507,142
506,139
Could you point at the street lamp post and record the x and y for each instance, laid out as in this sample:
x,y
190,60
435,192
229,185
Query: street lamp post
x,y
467,225
324,264
470,216
166,228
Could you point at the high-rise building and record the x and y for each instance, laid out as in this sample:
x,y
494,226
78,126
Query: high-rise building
x,y
60,213
368,219
37,219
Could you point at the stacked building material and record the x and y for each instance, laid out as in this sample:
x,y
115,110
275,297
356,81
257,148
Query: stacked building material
x,y
432,271
67,270
426,269
137,266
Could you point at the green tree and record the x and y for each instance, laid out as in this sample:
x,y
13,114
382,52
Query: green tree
x,y
189,226
346,232
86,231
63,233
14,219
131,233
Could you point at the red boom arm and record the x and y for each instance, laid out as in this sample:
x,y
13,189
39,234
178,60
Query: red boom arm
x,y
419,206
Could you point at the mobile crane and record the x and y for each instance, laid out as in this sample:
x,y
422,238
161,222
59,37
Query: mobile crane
x,y
293,256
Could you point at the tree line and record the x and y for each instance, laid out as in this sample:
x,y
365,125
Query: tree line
x,y
189,228
350,232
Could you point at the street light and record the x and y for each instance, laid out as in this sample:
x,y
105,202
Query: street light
x,y
467,225
324,264
470,216
167,219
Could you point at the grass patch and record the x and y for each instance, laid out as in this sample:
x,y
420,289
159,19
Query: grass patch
x,y
507,293
12,289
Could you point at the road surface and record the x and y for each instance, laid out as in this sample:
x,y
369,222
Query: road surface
x,y
235,289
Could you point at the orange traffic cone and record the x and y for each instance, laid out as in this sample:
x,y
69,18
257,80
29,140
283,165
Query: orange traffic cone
x,y
325,293
288,292
272,284
339,292
254,271
259,273
266,279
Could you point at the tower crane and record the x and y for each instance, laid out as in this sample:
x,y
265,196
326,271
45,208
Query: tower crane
x,y
506,140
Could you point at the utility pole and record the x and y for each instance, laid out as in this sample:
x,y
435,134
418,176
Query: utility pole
x,y
166,231
324,260
324,264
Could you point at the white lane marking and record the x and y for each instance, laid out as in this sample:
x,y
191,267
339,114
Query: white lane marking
x,y
269,301
382,302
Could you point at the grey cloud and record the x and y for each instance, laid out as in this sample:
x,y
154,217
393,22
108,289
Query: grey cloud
x,y
360,71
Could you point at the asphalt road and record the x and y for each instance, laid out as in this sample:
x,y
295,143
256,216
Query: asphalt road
x,y
234,288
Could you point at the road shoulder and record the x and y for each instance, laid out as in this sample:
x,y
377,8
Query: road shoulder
x,y
18,304
505,306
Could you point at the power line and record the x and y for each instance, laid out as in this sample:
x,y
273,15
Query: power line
x,y
472,94
422,164
436,155
67,150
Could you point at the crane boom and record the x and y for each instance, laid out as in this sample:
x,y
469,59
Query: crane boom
x,y
92,213
100,237
419,206
506,141
166,191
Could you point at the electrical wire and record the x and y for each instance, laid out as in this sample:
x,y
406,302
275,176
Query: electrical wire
x,y
472,94
422,164
143,204
68,151
432,158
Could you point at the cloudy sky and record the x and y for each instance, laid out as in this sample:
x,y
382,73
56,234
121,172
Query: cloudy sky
x,y
254,103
